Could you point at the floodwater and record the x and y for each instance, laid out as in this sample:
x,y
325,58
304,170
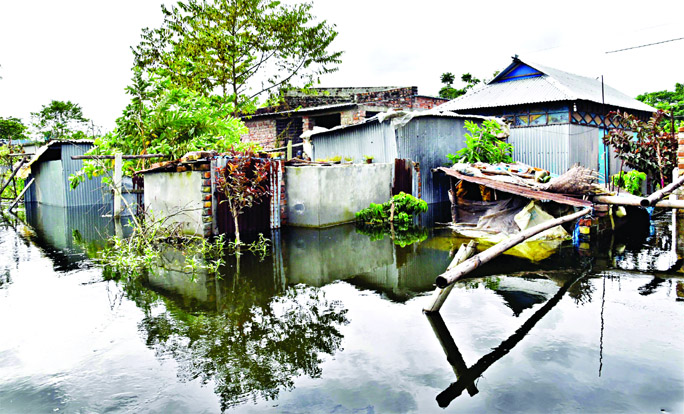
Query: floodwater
x,y
331,322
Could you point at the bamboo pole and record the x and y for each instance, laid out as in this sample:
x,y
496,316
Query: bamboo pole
x,y
624,200
440,295
12,175
658,195
450,276
111,157
14,203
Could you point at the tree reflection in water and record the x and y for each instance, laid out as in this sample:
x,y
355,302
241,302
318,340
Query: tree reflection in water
x,y
253,346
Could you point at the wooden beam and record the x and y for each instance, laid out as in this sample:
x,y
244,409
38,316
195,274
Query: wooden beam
x,y
450,276
517,189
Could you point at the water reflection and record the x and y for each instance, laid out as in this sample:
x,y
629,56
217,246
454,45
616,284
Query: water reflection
x,y
466,376
245,334
68,236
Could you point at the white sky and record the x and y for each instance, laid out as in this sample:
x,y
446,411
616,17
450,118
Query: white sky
x,y
79,50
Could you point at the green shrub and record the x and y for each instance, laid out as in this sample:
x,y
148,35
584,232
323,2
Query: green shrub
x,y
630,181
482,145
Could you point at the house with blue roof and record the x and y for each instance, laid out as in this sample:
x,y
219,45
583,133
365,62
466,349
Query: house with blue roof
x,y
557,118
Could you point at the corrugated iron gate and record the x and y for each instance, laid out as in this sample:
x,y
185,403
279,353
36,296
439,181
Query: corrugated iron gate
x,y
261,217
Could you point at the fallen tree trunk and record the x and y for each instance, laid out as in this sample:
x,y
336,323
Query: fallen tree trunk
x,y
658,195
450,276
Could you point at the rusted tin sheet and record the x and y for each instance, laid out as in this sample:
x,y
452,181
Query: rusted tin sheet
x,y
403,176
518,190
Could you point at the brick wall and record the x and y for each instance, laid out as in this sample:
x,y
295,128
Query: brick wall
x,y
394,97
680,151
261,131
427,102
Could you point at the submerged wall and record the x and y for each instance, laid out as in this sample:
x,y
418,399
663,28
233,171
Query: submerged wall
x,y
320,196
177,195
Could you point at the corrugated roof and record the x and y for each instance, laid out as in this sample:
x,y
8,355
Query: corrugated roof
x,y
26,169
553,85
401,117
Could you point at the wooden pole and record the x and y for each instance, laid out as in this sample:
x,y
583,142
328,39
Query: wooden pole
x,y
12,175
658,195
440,295
118,175
450,276
14,203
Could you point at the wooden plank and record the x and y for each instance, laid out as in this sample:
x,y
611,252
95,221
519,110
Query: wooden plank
x,y
517,189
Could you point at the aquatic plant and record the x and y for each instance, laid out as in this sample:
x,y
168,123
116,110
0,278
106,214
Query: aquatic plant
x,y
398,211
395,217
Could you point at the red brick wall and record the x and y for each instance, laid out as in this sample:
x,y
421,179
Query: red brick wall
x,y
427,102
261,131
680,151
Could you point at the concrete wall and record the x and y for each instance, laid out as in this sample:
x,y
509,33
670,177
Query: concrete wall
x,y
177,194
320,196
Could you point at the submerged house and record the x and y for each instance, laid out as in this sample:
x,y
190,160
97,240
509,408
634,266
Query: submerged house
x,y
557,118
328,108
415,142
47,176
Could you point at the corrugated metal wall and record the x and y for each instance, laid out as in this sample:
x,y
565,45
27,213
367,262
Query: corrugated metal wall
x,y
545,147
48,187
51,184
427,140
373,139
557,147
89,192
584,142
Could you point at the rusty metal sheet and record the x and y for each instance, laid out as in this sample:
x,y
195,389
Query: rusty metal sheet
x,y
403,176
518,190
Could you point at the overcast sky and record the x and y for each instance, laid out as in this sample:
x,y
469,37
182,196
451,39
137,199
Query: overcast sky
x,y
79,50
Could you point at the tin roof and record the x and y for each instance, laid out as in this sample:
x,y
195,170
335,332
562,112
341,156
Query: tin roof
x,y
548,86
26,169
398,118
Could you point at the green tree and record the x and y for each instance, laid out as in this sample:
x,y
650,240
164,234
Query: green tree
x,y
449,91
239,50
60,120
644,146
164,119
12,129
670,101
